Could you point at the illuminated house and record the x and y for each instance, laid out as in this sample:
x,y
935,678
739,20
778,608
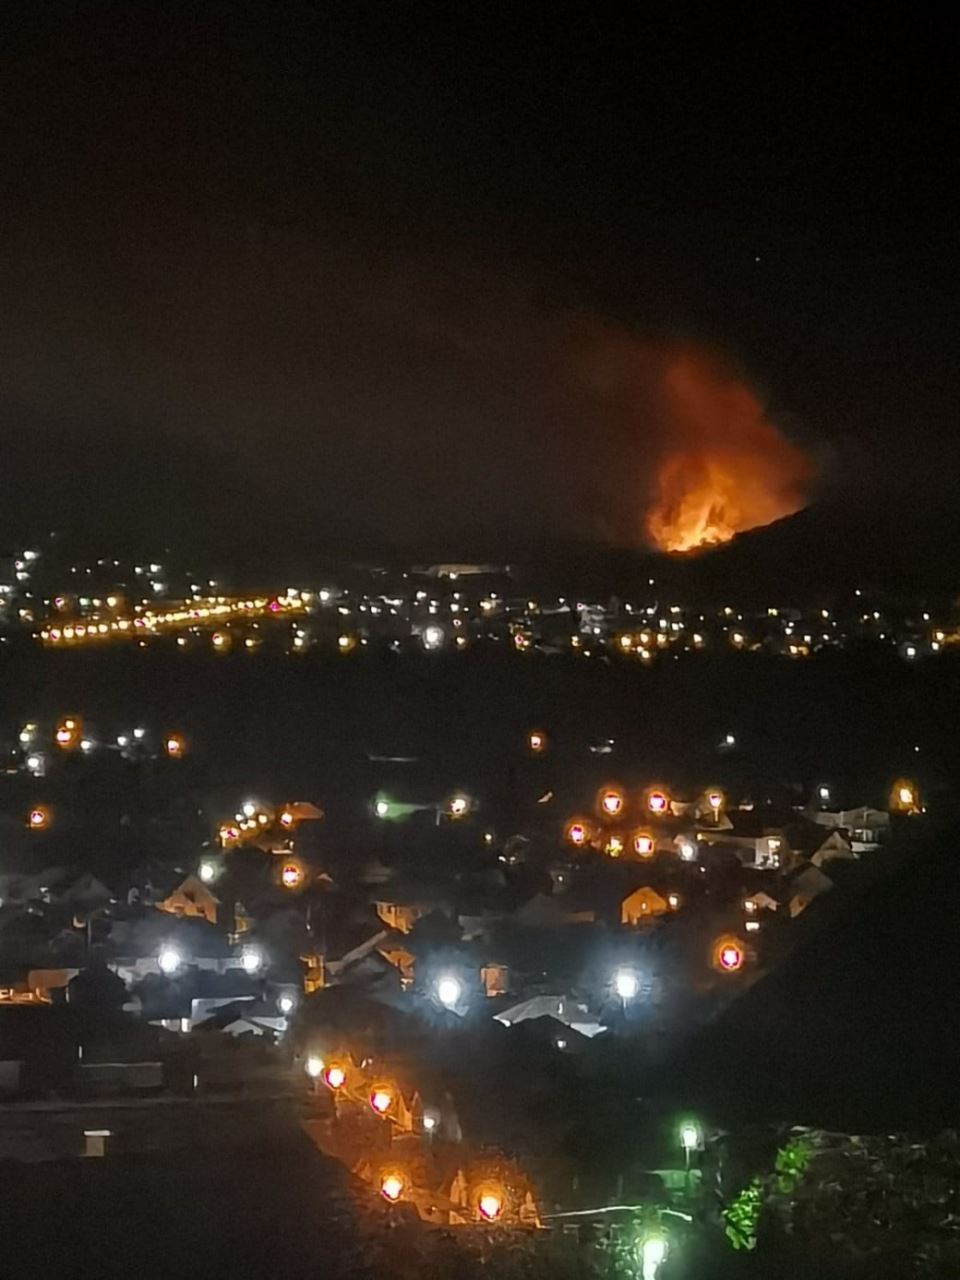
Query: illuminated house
x,y
641,906
192,900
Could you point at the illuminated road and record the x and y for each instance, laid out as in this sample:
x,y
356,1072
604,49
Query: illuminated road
x,y
180,615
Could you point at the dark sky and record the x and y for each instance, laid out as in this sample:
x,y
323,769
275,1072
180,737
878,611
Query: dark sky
x,y
356,270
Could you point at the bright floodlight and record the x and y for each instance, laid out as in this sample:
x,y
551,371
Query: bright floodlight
x,y
626,984
381,1100
169,960
335,1077
432,636
449,990
313,1066
490,1205
653,1251
689,1136
391,1187
251,959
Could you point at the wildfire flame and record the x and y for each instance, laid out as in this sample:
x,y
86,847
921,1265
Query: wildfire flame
x,y
727,467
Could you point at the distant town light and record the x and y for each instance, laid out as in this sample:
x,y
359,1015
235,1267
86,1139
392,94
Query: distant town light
x,y
715,800
449,991
429,1122
657,802
577,833
611,801
490,1206
34,763
313,1066
823,794
38,819
643,844
673,901
381,1100
335,1077
458,806
688,851
169,960
728,955
391,1187
536,740
248,808
432,636
291,875
626,984
174,746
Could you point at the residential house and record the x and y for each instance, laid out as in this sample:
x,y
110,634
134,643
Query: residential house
x,y
642,905
192,900
804,887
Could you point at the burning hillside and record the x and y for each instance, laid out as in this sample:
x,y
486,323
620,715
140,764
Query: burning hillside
x,y
726,467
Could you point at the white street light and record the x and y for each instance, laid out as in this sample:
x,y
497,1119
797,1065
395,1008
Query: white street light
x,y
432,636
449,991
314,1066
626,984
169,960
251,959
208,871
286,1004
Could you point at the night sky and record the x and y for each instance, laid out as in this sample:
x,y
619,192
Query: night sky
x,y
379,275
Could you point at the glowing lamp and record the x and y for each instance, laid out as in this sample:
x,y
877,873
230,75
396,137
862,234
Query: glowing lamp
x,y
381,808
432,637
314,1066
689,1136
905,795
715,800
536,741
626,984
286,1004
381,1100
729,956
643,844
291,875
657,802
653,1252
169,961
577,833
490,1206
391,1187
207,871
449,991
458,806
611,802
38,818
286,818
335,1077
251,959
673,901
175,746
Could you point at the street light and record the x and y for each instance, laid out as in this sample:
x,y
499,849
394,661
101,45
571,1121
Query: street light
x,y
449,991
577,833
657,802
38,819
611,801
314,1066
335,1077
391,1187
432,636
626,984
381,1100
169,961
251,959
381,808
653,1252
286,1003
458,806
490,1205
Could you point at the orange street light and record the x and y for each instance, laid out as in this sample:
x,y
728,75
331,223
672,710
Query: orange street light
x,y
291,875
38,819
643,844
577,832
536,741
728,955
334,1077
490,1205
381,1100
610,801
657,802
175,746
391,1187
